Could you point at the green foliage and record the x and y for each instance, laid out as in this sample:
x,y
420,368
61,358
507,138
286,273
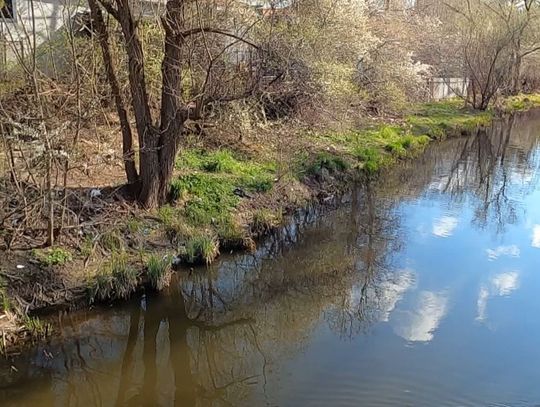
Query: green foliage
x,y
210,190
209,199
133,225
55,256
158,270
247,174
116,280
200,249
86,247
371,158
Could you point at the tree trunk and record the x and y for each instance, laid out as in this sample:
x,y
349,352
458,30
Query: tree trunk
x,y
173,112
127,137
149,165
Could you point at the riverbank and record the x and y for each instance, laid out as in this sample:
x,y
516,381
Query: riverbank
x,y
226,193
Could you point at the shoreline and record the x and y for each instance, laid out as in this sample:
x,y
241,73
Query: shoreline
x,y
222,199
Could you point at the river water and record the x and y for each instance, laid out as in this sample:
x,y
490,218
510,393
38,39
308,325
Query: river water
x,y
422,289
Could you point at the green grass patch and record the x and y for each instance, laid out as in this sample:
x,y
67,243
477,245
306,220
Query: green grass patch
x,y
440,119
208,199
329,161
253,176
522,102
371,148
209,189
54,256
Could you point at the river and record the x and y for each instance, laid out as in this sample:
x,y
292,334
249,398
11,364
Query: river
x,y
420,289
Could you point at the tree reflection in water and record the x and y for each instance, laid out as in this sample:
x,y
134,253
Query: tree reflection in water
x,y
218,334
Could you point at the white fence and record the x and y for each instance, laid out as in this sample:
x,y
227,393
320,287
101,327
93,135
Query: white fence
x,y
445,88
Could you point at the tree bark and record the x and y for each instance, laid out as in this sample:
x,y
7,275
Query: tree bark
x,y
174,113
148,135
127,136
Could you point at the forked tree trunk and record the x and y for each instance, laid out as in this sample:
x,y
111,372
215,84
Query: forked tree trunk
x,y
159,143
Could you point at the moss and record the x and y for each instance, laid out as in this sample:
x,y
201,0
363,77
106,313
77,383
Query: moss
x,y
55,256
159,271
116,280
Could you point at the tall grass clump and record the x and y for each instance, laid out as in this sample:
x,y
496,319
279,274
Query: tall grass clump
x,y
200,249
159,271
116,280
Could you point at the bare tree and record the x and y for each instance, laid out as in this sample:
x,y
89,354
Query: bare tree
x,y
159,138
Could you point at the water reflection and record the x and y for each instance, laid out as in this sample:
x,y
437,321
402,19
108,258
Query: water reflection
x,y
501,285
397,270
512,251
536,237
445,226
420,323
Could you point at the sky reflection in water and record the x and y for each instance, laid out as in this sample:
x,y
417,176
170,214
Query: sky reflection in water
x,y
419,290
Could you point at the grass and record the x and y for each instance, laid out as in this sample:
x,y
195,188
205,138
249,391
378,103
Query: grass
x,y
225,165
35,326
111,241
55,256
440,119
367,150
159,271
5,304
205,195
200,249
117,279
265,220
522,102
331,162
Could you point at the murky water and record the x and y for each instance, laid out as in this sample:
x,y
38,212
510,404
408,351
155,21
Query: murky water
x,y
421,290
